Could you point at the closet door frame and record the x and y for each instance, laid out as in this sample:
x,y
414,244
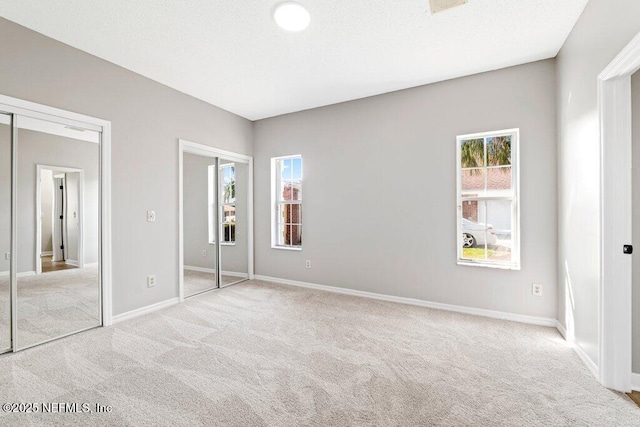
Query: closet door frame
x,y
185,146
12,215
21,108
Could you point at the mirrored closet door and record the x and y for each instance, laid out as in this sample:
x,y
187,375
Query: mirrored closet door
x,y
50,278
234,180
199,219
5,231
215,219
58,285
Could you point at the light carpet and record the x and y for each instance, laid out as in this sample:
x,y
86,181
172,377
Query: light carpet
x,y
199,281
258,354
50,305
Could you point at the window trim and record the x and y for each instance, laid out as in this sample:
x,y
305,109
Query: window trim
x,y
275,202
515,264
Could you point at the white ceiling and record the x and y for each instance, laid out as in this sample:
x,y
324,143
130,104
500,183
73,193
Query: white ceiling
x,y
231,53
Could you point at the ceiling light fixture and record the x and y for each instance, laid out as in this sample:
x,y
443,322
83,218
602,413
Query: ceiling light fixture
x,y
291,16
442,5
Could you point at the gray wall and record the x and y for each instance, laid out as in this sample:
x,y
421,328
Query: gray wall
x,y
40,148
604,28
147,119
379,187
635,99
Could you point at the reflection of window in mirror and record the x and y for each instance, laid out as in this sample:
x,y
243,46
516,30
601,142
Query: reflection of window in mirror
x,y
228,203
227,197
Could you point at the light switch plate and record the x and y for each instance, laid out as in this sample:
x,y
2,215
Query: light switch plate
x,y
151,216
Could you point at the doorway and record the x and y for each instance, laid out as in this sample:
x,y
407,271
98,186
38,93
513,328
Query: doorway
x,y
59,240
216,218
616,310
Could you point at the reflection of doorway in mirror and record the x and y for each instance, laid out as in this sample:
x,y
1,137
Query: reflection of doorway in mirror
x,y
59,234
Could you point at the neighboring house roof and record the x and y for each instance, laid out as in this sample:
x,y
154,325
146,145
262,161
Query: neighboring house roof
x,y
497,179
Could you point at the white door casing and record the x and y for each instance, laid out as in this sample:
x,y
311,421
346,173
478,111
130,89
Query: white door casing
x,y
615,313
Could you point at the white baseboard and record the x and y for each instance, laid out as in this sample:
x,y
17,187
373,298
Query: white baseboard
x,y
635,382
90,264
591,365
586,360
46,253
542,321
144,310
235,274
562,330
26,274
23,274
212,271
200,269
72,262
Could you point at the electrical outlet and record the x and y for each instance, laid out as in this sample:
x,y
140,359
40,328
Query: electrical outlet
x,y
308,263
204,252
151,216
151,281
536,289
7,256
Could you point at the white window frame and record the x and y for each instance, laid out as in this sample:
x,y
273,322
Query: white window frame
x,y
211,200
223,204
514,264
275,202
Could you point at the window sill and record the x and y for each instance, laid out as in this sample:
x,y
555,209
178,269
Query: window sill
x,y
223,243
286,248
469,263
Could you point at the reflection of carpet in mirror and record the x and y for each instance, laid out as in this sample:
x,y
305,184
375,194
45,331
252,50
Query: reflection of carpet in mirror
x,y
198,281
52,304
5,314
49,265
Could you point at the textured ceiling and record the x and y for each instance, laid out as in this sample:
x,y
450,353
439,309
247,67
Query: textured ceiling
x,y
231,53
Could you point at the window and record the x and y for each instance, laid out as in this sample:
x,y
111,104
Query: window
x,y
227,203
488,230
286,182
